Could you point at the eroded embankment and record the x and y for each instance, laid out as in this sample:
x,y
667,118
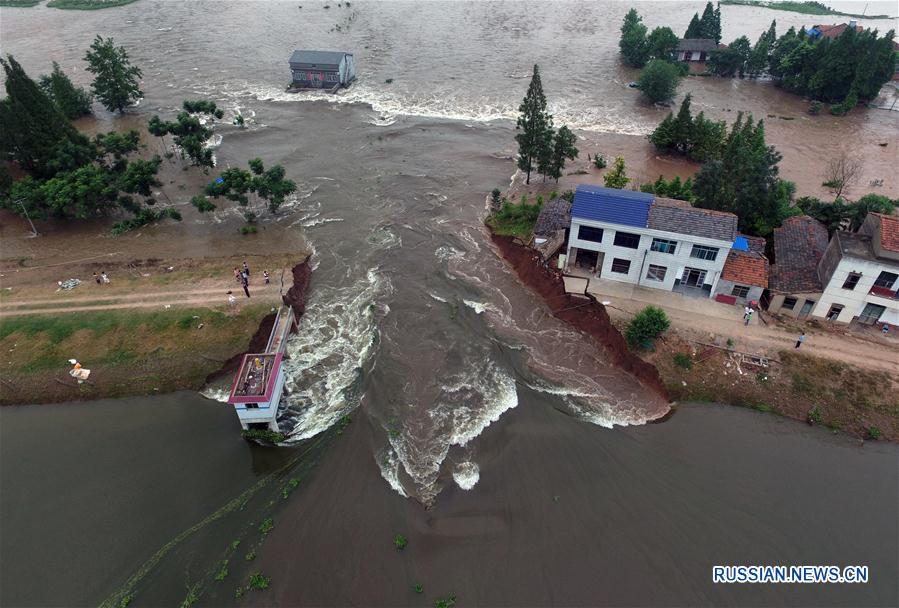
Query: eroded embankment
x,y
587,315
295,297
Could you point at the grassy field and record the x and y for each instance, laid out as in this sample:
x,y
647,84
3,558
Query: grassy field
x,y
87,5
128,351
515,220
808,8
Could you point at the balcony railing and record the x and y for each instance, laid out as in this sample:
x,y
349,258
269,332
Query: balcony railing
x,y
884,292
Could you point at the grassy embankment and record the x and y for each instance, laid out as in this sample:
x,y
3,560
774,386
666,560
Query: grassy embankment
x,y
861,402
87,5
515,220
129,352
808,8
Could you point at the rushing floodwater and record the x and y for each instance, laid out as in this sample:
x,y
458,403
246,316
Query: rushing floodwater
x,y
412,316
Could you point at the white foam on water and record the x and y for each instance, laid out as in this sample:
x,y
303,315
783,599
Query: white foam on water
x,y
389,465
436,297
445,252
466,475
477,307
216,394
337,338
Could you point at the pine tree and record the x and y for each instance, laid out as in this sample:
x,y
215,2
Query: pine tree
x,y
563,148
716,25
32,127
73,101
633,45
707,23
683,126
771,34
616,178
116,81
694,30
535,125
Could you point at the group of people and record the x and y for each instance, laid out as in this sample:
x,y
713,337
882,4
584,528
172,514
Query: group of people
x,y
102,278
242,276
748,311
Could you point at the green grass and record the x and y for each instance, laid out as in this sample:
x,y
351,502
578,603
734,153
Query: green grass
x,y
400,542
222,573
259,581
19,3
808,8
515,220
87,5
267,525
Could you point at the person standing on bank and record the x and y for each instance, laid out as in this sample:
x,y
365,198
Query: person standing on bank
x,y
748,316
246,286
800,340
246,268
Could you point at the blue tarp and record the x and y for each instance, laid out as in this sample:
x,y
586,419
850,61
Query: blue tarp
x,y
740,244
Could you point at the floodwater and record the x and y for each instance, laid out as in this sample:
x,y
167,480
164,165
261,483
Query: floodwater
x,y
413,321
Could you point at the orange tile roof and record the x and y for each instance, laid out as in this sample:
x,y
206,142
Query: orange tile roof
x,y
746,268
889,232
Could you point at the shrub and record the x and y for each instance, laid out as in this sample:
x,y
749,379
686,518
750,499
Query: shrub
x,y
646,326
222,574
599,161
248,229
494,196
445,602
259,581
873,433
263,435
400,542
267,525
814,415
683,360
418,588
250,556
814,108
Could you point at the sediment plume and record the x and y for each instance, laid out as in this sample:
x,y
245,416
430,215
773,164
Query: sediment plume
x,y
587,315
295,297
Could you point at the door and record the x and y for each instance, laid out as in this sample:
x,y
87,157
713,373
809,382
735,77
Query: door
x,y
871,314
806,308
693,277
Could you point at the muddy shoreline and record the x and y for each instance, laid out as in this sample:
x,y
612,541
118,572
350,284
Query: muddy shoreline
x,y
589,316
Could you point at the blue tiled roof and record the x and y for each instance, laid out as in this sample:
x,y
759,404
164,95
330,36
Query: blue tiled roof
x,y
625,207
740,244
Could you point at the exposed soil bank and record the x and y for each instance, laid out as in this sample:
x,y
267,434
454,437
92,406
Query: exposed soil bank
x,y
295,297
587,315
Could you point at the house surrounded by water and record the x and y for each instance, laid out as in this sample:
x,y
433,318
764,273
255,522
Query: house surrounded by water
x,y
639,238
321,69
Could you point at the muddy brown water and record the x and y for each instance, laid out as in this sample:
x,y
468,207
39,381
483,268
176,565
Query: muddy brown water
x,y
413,320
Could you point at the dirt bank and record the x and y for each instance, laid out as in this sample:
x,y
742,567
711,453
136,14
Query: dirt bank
x,y
587,315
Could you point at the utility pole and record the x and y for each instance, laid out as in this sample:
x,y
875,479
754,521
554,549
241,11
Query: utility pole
x,y
25,211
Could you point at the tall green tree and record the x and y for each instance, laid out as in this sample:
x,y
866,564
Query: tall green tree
x,y
563,148
32,127
658,80
72,101
534,126
758,58
633,44
616,177
694,30
662,43
745,180
771,34
732,60
116,82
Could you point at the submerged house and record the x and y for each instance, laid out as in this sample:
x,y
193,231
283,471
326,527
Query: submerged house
x,y
638,238
321,69
694,49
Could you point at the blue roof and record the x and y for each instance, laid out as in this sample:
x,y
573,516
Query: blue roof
x,y
625,207
740,244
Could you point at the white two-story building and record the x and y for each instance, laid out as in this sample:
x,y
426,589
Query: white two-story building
x,y
638,238
860,274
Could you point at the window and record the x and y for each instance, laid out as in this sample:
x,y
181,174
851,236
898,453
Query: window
x,y
851,280
656,273
589,233
789,303
663,245
626,239
621,266
834,312
740,291
886,279
704,253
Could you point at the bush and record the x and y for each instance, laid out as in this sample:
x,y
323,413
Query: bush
x,y
814,108
259,581
646,326
659,80
873,433
814,415
263,435
267,525
400,542
683,361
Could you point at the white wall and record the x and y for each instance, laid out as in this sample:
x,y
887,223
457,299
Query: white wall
x,y
854,300
643,257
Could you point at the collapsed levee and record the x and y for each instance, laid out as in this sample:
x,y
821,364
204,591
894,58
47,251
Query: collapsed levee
x,y
588,315
295,297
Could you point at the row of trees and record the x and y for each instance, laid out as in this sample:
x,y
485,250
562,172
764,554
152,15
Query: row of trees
x,y
189,133
540,146
708,26
851,67
697,138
